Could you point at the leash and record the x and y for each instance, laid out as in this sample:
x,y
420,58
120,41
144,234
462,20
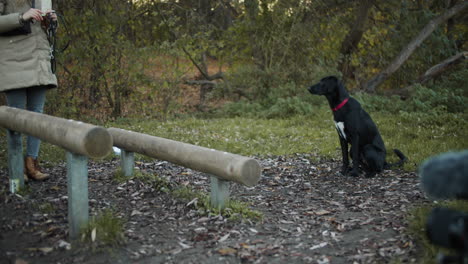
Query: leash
x,y
51,32
50,28
340,105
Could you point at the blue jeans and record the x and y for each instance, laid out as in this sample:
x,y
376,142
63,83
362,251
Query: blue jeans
x,y
32,99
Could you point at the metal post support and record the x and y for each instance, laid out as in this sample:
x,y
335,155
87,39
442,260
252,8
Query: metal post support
x,y
15,161
77,183
127,162
219,195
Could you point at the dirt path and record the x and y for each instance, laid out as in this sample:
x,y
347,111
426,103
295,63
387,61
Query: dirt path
x,y
311,215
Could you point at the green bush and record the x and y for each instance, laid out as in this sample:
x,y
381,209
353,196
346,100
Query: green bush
x,y
438,99
240,108
283,100
287,107
374,103
452,90
258,85
281,108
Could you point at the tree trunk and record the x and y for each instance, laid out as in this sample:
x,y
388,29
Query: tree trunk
x,y
373,83
252,10
451,21
351,41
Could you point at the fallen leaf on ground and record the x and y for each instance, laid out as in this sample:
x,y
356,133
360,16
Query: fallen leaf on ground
x,y
224,238
227,251
321,245
322,212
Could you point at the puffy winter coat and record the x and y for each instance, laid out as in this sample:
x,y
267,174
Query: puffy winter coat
x,y
24,59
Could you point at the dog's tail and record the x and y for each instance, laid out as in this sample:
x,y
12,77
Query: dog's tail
x,y
399,163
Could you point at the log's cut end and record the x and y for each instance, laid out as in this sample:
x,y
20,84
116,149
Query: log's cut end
x,y
98,142
250,172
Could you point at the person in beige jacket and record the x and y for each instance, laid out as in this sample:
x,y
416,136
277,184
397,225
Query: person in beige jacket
x,y
25,67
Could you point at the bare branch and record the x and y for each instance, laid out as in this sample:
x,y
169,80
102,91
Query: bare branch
x,y
373,83
438,69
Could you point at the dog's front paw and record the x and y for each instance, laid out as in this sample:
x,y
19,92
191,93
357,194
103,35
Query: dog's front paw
x,y
354,173
344,170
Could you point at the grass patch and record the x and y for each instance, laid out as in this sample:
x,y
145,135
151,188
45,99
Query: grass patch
x,y
421,136
25,190
119,176
158,183
46,208
417,228
235,210
105,229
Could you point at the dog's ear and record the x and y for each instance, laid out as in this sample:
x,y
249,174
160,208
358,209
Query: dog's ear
x,y
330,82
330,78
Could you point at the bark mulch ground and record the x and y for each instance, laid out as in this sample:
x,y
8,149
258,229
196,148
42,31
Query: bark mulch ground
x,y
311,214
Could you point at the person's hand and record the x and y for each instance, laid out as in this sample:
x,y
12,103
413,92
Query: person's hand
x,y
51,13
33,13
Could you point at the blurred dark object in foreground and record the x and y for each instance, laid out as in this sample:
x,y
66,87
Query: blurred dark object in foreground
x,y
449,228
446,177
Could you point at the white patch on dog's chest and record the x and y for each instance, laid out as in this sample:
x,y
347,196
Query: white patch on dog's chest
x,y
340,129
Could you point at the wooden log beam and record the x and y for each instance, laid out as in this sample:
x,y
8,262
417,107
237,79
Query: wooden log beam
x,y
74,136
225,166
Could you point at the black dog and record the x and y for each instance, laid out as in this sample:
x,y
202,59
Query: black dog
x,y
355,127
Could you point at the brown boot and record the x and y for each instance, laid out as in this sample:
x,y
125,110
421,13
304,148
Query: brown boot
x,y
33,171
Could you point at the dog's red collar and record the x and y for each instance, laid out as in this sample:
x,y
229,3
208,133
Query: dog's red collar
x,y
340,105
